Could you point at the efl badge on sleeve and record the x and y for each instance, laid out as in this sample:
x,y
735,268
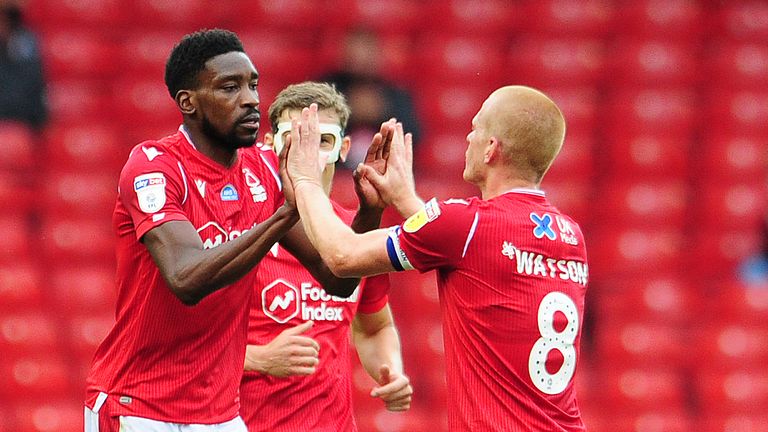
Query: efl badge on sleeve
x,y
150,191
428,213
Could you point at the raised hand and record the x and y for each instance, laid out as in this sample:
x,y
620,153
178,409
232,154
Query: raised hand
x,y
396,185
394,389
303,164
375,158
289,353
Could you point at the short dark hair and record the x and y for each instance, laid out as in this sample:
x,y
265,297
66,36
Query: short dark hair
x,y
188,57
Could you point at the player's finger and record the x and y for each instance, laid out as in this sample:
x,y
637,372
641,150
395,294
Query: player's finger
x,y
307,351
299,329
302,370
373,176
374,148
409,148
304,341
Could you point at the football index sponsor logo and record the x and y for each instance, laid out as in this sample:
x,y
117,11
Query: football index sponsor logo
x,y
150,191
229,193
282,301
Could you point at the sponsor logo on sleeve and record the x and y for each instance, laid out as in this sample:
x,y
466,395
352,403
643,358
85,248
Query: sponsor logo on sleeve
x,y
567,234
150,191
543,226
428,213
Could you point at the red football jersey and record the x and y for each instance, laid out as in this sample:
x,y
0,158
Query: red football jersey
x,y
286,295
511,274
164,360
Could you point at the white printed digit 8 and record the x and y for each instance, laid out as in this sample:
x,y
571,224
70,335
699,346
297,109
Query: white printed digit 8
x,y
552,339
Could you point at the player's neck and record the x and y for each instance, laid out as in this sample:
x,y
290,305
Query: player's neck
x,y
494,187
222,155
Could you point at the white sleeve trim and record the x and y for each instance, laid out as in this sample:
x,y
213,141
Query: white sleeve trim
x,y
272,170
184,179
471,234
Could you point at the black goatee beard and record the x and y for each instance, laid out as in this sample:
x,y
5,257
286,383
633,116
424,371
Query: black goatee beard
x,y
230,140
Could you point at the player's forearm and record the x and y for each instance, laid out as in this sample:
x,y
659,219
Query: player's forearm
x,y
379,348
408,205
213,269
328,234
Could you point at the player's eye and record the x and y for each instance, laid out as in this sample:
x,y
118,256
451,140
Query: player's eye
x,y
327,141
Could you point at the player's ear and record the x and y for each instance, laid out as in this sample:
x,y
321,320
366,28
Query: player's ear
x,y
269,139
185,100
492,150
346,144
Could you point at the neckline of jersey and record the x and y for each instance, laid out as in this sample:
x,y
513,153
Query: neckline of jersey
x,y
526,191
204,158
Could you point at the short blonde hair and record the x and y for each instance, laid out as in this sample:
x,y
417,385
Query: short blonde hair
x,y
298,96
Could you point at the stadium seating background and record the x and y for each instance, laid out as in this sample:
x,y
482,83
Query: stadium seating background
x,y
664,166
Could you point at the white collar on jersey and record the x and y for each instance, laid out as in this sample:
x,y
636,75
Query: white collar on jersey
x,y
184,132
526,191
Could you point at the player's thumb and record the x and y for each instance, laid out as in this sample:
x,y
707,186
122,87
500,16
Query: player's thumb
x,y
370,174
384,375
299,329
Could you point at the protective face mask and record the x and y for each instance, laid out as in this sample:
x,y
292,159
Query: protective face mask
x,y
330,139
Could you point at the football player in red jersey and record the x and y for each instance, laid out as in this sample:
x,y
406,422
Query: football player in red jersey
x,y
511,268
196,212
298,335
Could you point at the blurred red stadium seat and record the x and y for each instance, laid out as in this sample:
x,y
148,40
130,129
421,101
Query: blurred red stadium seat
x,y
743,200
629,340
78,239
731,64
280,55
732,390
65,14
86,332
472,60
670,19
184,15
92,146
725,343
560,61
641,154
714,253
660,419
146,52
81,192
649,204
377,15
463,16
744,20
737,111
628,251
653,62
20,286
742,422
72,100
27,333
16,232
19,146
588,17
573,197
83,54
83,288
671,110
668,299
143,101
49,414
732,157
642,389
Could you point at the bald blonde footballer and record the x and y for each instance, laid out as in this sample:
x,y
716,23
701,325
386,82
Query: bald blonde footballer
x,y
511,268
